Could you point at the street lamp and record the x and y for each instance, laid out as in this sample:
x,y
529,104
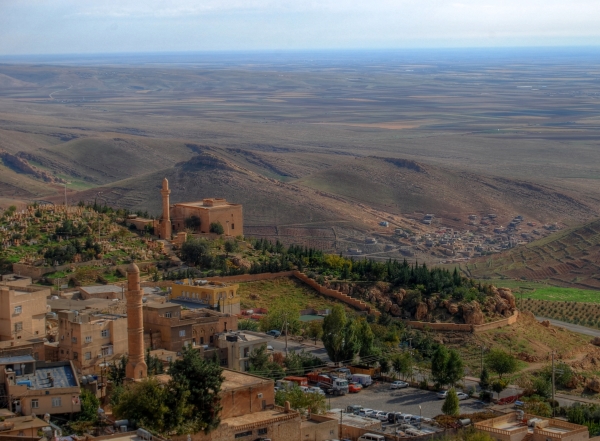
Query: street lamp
x,y
420,417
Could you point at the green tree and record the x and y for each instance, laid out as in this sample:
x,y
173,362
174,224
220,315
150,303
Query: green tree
x,y
499,385
539,408
216,227
192,222
196,252
542,387
89,406
248,325
281,316
366,339
116,371
155,365
484,379
563,374
451,405
455,368
501,362
303,402
384,365
230,246
340,335
315,330
203,379
145,402
260,364
439,360
403,364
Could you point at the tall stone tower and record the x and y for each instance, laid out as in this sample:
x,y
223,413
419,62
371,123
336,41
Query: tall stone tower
x,y
136,366
165,225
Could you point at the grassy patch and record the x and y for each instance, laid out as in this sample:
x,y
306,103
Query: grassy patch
x,y
285,291
541,291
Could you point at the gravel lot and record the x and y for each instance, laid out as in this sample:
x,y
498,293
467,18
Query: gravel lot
x,y
381,397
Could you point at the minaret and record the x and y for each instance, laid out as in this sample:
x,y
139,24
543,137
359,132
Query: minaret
x,y
165,225
136,366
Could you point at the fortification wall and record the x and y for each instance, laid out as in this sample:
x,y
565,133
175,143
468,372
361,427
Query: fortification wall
x,y
458,327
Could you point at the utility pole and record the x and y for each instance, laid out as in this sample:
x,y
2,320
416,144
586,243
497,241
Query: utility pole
x,y
286,335
482,349
553,386
65,196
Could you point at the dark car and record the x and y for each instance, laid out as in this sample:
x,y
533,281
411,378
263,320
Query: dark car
x,y
393,418
274,333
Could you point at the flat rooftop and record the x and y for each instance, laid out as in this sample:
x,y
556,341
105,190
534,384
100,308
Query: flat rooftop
x,y
235,380
63,377
17,359
257,417
25,422
79,305
100,289
513,425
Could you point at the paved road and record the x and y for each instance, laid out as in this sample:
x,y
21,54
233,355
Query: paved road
x,y
279,346
571,327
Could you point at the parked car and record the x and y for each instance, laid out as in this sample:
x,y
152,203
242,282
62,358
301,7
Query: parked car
x,y
374,414
419,419
316,390
461,395
365,412
354,408
393,418
398,384
382,416
274,333
354,388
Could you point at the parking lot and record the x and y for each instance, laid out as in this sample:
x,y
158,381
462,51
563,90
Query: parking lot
x,y
381,397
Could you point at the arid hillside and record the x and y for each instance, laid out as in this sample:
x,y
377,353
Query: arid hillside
x,y
568,258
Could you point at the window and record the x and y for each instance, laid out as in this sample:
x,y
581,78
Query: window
x,y
105,333
88,339
107,350
233,228
73,339
169,359
88,355
18,309
211,339
182,333
201,340
75,356
18,327
243,434
56,402
167,314
262,431
35,404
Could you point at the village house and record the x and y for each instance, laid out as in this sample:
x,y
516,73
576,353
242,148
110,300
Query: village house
x,y
40,387
215,295
22,312
90,338
239,346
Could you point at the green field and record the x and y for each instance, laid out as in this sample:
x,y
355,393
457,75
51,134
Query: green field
x,y
541,291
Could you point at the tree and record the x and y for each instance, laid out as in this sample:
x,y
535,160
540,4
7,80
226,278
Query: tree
x,y
539,408
155,365
216,227
203,379
455,368
542,387
403,364
192,222
260,364
451,405
231,246
501,362
438,365
366,339
116,370
196,252
248,325
315,330
340,335
303,402
499,385
563,374
484,379
89,406
384,365
282,317
145,402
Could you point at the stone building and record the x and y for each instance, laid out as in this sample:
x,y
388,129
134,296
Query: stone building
x,y
206,211
41,387
239,345
22,312
169,327
215,295
90,337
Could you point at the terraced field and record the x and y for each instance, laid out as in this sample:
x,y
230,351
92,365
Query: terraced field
x,y
567,258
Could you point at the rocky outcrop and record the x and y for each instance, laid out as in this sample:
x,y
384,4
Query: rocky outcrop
x,y
421,312
452,308
595,341
507,295
21,165
545,323
472,313
241,262
395,310
593,384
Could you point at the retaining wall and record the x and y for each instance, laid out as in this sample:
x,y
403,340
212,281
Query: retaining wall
x,y
458,327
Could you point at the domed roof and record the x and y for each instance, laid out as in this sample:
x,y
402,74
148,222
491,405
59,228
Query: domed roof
x,y
133,268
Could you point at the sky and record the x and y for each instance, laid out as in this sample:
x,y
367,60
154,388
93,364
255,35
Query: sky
x,y
117,26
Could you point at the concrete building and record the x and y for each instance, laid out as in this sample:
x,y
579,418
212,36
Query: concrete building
x,y
22,312
102,292
15,280
41,387
215,295
136,365
22,426
89,338
34,347
169,327
239,345
517,426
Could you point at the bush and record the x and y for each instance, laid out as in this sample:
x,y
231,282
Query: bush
x,y
216,227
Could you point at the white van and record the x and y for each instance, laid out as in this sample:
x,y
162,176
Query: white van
x,y
371,437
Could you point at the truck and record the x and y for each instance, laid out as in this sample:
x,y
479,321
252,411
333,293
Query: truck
x,y
317,377
334,386
300,381
363,379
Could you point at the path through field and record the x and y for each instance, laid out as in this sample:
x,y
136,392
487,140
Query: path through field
x,y
571,327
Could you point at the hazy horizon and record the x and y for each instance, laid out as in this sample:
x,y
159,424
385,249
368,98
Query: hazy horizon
x,y
30,27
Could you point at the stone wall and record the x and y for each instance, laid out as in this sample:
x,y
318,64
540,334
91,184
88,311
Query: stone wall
x,y
458,327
